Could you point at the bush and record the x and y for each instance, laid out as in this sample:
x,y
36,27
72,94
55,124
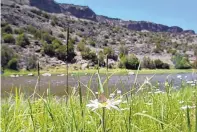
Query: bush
x,y
81,46
161,65
22,40
8,38
7,29
148,63
61,35
194,65
110,53
181,62
48,49
56,43
101,59
18,31
47,37
92,43
123,51
31,62
13,64
6,55
87,54
129,62
61,52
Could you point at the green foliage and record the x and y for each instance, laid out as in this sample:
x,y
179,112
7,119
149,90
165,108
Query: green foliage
x,y
54,21
8,38
194,64
13,64
22,40
87,54
181,62
18,31
61,35
6,55
92,43
7,29
40,13
148,63
61,52
110,52
48,49
31,62
129,62
47,37
158,48
161,65
101,59
123,51
81,46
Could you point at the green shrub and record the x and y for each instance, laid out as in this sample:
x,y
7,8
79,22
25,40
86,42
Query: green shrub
x,y
132,62
6,55
87,54
81,46
56,43
31,62
61,35
7,29
194,65
22,40
101,58
18,31
47,37
123,51
110,53
92,43
148,63
61,52
48,49
129,62
181,61
161,65
13,64
8,38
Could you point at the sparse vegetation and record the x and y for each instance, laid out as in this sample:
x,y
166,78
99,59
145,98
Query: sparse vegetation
x,y
22,40
8,38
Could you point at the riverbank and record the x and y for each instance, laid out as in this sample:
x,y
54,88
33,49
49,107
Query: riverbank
x,y
56,71
168,110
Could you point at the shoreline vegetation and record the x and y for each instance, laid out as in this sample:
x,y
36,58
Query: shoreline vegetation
x,y
54,71
144,109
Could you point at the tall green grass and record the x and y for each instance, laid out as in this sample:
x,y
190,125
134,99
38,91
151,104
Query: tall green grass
x,y
146,111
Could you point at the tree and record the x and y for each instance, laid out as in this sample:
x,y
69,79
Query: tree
x,y
181,62
7,29
129,62
13,64
110,53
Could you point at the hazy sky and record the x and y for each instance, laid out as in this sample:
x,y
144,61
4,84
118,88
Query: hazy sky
x,y
181,13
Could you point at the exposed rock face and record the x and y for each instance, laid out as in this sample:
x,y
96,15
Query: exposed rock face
x,y
143,25
46,5
79,11
86,13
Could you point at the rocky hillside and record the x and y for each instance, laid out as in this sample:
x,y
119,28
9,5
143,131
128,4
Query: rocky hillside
x,y
86,28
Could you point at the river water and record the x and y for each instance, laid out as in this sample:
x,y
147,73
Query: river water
x,y
57,84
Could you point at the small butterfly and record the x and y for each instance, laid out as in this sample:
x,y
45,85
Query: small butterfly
x,y
102,98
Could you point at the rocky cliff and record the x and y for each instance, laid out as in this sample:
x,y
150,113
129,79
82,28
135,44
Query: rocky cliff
x,y
86,13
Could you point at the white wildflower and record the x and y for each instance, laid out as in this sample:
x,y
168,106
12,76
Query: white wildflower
x,y
96,93
149,103
190,107
110,103
112,95
181,102
119,92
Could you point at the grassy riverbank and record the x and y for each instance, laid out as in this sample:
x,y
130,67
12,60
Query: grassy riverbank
x,y
147,111
102,71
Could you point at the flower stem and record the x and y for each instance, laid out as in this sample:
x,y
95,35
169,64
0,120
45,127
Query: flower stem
x,y
103,120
